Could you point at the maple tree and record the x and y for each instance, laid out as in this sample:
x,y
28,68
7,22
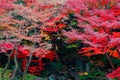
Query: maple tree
x,y
34,30
29,21
100,25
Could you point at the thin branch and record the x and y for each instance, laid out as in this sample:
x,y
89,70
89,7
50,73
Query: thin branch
x,y
7,65
16,63
27,65
16,66
110,61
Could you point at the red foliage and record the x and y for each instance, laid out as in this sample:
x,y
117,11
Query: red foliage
x,y
50,55
114,74
100,24
22,52
5,4
36,14
5,46
33,69
28,21
41,53
50,29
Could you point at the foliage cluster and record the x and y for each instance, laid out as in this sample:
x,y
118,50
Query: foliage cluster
x,y
72,40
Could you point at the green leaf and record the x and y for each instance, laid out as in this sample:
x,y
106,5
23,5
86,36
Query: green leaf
x,y
72,46
19,2
73,23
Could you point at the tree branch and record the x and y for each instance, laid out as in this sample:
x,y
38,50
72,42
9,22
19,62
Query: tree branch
x,y
110,61
27,65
